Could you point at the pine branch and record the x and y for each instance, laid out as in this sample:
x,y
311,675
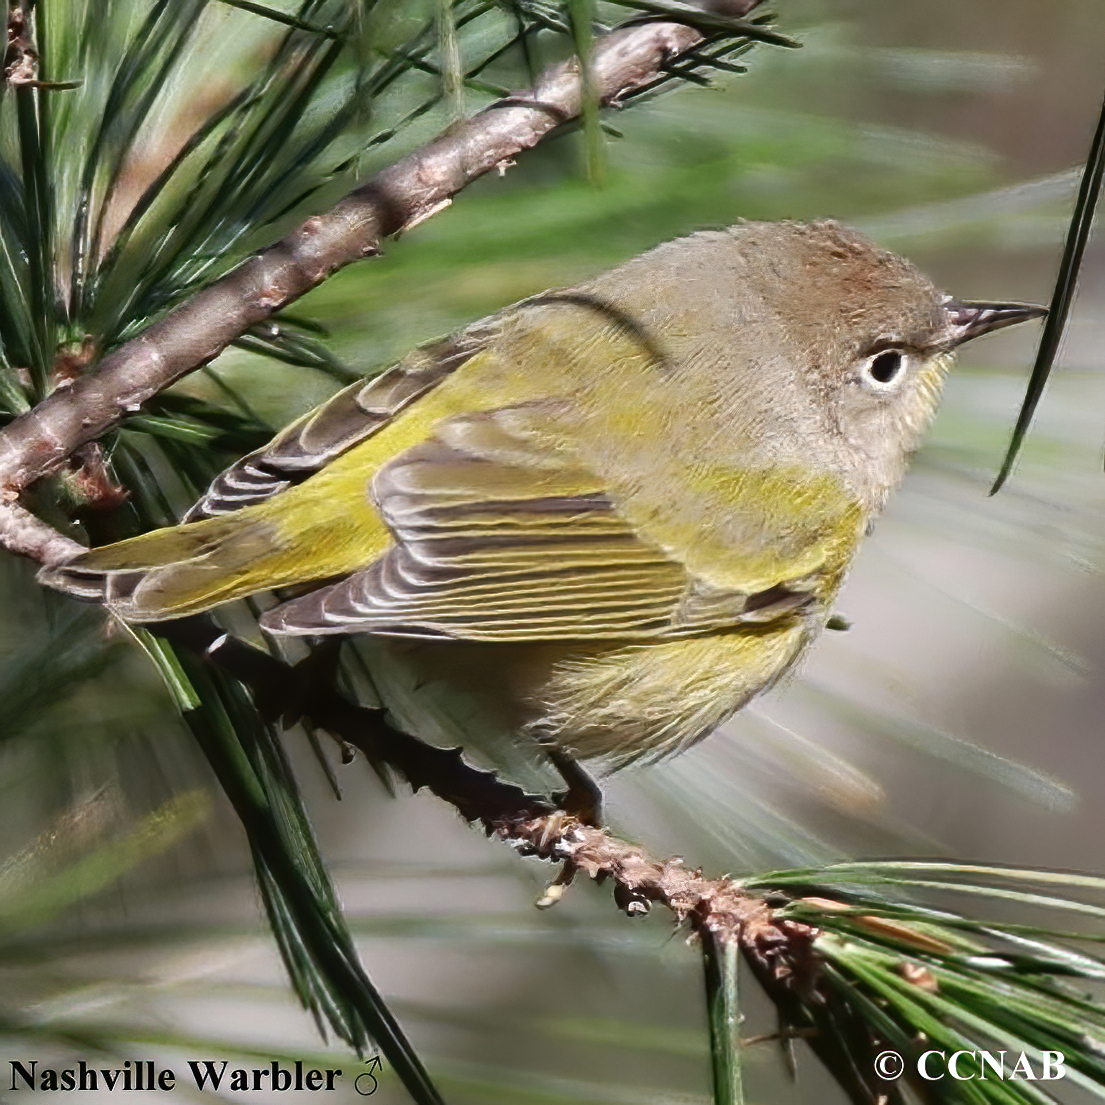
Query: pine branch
x,y
25,535
313,940
530,823
396,199
852,971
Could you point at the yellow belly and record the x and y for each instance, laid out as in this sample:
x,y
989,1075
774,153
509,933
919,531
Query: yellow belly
x,y
608,701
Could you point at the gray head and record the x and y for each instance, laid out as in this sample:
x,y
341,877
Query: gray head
x,y
818,346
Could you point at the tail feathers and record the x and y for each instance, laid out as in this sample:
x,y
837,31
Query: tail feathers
x,y
90,585
171,572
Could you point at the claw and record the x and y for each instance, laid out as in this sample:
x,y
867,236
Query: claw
x,y
558,887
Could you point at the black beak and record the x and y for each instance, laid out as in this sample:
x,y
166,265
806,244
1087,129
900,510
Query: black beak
x,y
971,320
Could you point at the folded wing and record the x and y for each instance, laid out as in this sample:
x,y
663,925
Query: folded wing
x,y
500,538
351,416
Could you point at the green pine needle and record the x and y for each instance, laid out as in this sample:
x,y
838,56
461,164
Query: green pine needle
x,y
303,911
891,974
1078,235
720,963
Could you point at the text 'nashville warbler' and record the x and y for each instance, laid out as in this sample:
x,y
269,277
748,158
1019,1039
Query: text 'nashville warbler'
x,y
603,518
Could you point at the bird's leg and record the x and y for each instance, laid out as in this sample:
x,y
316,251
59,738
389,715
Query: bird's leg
x,y
583,800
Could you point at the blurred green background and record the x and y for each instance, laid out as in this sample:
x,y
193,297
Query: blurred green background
x,y
960,716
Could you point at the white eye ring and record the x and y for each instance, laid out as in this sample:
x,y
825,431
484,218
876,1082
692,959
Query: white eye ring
x,y
885,370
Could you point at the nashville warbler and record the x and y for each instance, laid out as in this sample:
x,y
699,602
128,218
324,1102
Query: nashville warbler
x,y
604,518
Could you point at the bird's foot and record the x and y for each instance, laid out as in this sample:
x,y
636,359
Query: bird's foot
x,y
558,887
583,801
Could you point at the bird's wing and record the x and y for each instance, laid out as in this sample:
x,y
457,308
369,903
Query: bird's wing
x,y
346,419
500,538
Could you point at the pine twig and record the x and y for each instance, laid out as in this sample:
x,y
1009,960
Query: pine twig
x,y
24,534
529,823
394,200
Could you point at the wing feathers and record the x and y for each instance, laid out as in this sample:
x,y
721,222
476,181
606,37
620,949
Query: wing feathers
x,y
345,420
490,548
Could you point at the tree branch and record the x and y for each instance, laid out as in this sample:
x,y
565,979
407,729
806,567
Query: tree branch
x,y
395,199
24,534
530,823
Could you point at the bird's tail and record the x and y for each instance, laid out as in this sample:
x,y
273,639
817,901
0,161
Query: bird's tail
x,y
170,572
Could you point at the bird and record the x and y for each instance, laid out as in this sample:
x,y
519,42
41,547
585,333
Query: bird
x,y
601,520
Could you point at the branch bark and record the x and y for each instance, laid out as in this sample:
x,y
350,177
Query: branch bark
x,y
24,534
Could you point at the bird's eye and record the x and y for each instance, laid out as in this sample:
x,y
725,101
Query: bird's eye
x,y
883,370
